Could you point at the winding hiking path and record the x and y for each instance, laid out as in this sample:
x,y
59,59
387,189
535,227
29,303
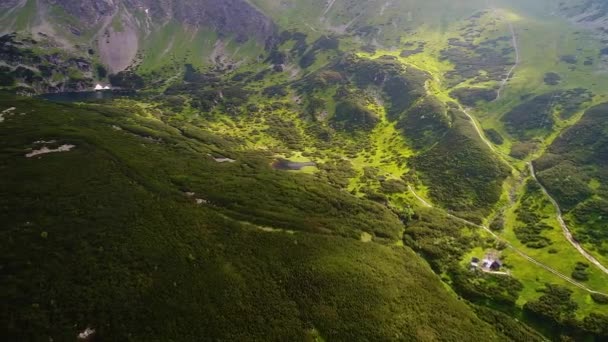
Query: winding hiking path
x,y
477,128
509,245
483,137
506,80
560,219
565,229
422,200
567,232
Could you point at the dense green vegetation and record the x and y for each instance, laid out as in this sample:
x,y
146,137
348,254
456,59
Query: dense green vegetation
x,y
477,60
535,116
178,214
574,170
438,238
471,96
114,241
557,308
531,225
466,176
31,66
425,123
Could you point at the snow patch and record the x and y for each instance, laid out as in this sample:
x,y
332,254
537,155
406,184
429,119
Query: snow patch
x,y
100,87
6,112
224,160
45,150
88,332
198,201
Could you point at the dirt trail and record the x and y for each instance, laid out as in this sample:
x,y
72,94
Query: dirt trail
x,y
484,139
510,246
560,219
502,157
329,6
422,200
477,128
506,80
384,7
565,229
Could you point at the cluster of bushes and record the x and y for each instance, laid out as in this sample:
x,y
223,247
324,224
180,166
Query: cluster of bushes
x,y
285,131
337,172
599,298
401,86
485,61
592,216
425,123
471,96
324,43
552,78
126,80
494,136
464,174
521,149
307,54
438,238
411,52
531,226
208,91
556,311
536,114
567,183
574,159
352,115
570,59
512,328
580,271
484,288
532,115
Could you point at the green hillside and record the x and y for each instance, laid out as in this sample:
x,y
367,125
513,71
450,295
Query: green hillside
x,y
304,170
116,242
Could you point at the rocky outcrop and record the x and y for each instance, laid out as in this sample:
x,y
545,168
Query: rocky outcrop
x,y
120,26
90,12
118,45
227,17
590,13
9,3
26,69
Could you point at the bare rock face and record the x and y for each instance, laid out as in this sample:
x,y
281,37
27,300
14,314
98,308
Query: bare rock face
x,y
236,17
589,14
90,12
227,17
119,26
118,48
9,3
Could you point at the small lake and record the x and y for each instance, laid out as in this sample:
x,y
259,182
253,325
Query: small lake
x,y
284,164
86,96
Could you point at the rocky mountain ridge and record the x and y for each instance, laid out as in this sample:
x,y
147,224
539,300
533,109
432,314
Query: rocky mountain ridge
x,y
119,28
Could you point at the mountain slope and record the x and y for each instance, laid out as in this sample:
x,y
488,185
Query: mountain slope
x,y
289,149
133,254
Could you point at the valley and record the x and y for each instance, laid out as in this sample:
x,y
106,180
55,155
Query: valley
x,y
304,170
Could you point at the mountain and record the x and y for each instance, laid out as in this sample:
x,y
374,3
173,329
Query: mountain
x,y
303,170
